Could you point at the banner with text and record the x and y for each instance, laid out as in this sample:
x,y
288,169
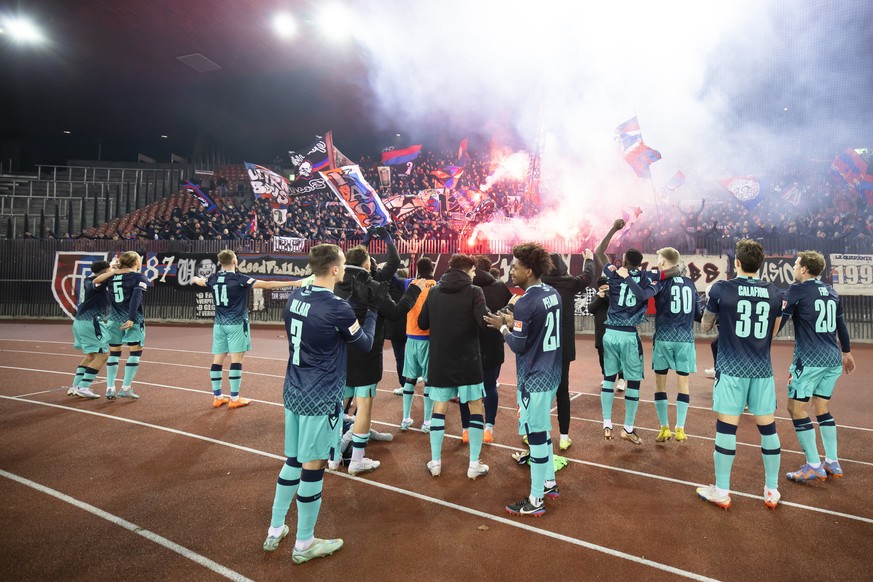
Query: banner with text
x,y
852,274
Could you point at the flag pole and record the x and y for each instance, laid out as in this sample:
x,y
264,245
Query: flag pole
x,y
331,158
651,180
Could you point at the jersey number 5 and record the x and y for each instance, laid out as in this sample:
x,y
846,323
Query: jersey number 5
x,y
118,291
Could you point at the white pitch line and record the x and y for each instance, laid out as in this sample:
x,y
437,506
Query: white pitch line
x,y
419,496
574,395
131,527
507,408
497,445
693,407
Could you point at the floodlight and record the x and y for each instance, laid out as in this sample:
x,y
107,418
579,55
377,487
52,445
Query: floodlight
x,y
335,21
285,25
22,30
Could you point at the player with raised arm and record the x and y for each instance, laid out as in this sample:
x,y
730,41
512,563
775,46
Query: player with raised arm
x,y
629,290
749,311
676,308
126,325
533,333
817,314
89,332
230,333
319,326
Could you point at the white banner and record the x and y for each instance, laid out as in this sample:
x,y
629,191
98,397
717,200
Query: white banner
x,y
852,274
288,244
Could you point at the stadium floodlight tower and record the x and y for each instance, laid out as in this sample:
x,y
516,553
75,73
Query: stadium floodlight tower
x,y
335,21
21,30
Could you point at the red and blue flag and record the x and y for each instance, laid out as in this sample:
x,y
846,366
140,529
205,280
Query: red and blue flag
x,y
401,156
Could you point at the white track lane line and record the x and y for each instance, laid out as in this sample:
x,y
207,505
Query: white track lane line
x,y
131,527
285,360
507,408
419,496
497,445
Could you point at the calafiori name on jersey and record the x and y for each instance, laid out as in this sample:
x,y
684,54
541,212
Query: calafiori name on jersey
x,y
754,292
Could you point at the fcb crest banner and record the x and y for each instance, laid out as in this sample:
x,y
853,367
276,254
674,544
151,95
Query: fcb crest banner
x,y
357,196
68,277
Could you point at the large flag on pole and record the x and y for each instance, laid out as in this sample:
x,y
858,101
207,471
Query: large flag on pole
x,y
635,151
675,182
746,189
268,184
359,198
850,166
307,163
204,198
401,156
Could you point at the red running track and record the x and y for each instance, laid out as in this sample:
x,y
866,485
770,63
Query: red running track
x,y
168,488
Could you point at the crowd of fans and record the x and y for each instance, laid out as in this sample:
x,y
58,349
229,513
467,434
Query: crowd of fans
x,y
822,209
827,213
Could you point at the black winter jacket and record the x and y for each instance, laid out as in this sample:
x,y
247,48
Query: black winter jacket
x,y
567,287
497,295
454,313
359,288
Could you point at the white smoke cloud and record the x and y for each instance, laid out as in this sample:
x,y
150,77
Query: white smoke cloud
x,y
709,83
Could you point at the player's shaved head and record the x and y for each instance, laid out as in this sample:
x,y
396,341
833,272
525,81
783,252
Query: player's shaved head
x,y
633,259
98,267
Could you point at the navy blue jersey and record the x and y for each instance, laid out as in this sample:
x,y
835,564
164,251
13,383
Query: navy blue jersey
x,y
676,306
746,308
535,339
628,297
318,325
230,290
815,309
121,289
94,301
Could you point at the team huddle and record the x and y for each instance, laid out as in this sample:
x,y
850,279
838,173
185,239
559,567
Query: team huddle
x,y
456,328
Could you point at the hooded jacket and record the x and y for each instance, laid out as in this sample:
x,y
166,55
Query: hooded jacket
x,y
567,287
497,295
454,313
360,290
